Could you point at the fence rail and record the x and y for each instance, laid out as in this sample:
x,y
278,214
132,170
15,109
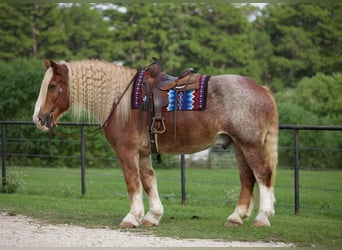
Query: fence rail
x,y
295,128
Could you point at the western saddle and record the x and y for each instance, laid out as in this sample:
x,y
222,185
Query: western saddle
x,y
158,83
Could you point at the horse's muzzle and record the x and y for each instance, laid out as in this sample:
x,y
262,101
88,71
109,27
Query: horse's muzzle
x,y
44,122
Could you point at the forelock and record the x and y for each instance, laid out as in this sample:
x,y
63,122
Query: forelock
x,y
44,87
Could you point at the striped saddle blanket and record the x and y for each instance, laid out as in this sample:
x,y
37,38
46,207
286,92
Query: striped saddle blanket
x,y
178,100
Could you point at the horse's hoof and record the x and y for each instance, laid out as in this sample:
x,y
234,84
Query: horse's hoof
x,y
261,224
126,224
232,224
233,220
147,223
261,221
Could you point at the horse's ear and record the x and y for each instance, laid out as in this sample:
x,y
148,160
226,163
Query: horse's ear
x,y
54,66
47,64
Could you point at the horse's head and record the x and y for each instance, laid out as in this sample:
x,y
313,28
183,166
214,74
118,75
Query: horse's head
x,y
53,99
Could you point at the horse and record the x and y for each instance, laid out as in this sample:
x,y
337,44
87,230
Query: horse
x,y
239,111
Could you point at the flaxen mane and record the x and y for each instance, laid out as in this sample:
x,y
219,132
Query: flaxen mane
x,y
95,85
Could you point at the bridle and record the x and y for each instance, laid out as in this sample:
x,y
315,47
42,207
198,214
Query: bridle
x,y
49,117
60,92
50,114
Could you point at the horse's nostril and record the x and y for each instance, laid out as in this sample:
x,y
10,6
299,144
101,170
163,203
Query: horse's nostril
x,y
40,119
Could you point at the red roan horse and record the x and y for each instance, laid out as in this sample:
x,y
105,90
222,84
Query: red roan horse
x,y
238,110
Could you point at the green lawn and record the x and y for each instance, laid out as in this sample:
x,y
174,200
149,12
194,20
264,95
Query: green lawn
x,y
54,194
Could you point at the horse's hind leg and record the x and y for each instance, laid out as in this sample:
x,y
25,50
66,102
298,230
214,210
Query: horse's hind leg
x,y
149,182
264,174
245,203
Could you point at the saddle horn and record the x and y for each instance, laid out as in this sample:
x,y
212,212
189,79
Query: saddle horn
x,y
147,68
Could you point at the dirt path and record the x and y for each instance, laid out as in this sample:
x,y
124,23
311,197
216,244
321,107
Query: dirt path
x,y
22,231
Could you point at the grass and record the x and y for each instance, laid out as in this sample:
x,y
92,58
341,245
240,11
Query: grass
x,y
54,194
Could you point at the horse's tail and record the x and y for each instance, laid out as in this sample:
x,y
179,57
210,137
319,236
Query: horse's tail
x,y
271,139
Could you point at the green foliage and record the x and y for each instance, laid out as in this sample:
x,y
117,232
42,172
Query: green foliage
x,y
20,81
14,30
305,38
317,148
315,101
321,95
31,30
87,33
285,43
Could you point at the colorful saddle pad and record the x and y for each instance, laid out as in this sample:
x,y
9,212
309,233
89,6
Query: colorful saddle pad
x,y
180,100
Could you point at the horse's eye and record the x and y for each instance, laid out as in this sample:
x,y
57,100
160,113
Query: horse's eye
x,y
52,87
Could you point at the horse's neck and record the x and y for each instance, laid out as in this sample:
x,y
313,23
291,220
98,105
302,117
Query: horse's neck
x,y
94,86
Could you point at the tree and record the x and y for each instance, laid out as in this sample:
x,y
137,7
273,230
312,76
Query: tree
x,y
263,50
47,25
15,37
87,32
321,95
212,37
148,30
20,82
31,30
219,40
294,53
303,37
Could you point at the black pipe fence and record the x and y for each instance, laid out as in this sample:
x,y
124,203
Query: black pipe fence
x,y
296,149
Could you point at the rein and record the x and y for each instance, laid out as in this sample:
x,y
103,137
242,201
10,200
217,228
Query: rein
x,y
96,131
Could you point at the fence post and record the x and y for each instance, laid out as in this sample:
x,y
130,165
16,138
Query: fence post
x,y
82,154
183,179
3,153
296,169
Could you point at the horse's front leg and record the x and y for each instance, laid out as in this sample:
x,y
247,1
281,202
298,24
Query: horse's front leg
x,y
149,182
130,168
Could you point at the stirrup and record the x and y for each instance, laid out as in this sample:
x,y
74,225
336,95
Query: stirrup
x,y
162,129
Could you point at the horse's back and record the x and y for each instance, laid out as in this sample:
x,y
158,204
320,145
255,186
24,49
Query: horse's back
x,y
239,93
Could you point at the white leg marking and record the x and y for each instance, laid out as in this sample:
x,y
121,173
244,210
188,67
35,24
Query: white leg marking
x,y
156,207
240,213
266,204
136,212
235,217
